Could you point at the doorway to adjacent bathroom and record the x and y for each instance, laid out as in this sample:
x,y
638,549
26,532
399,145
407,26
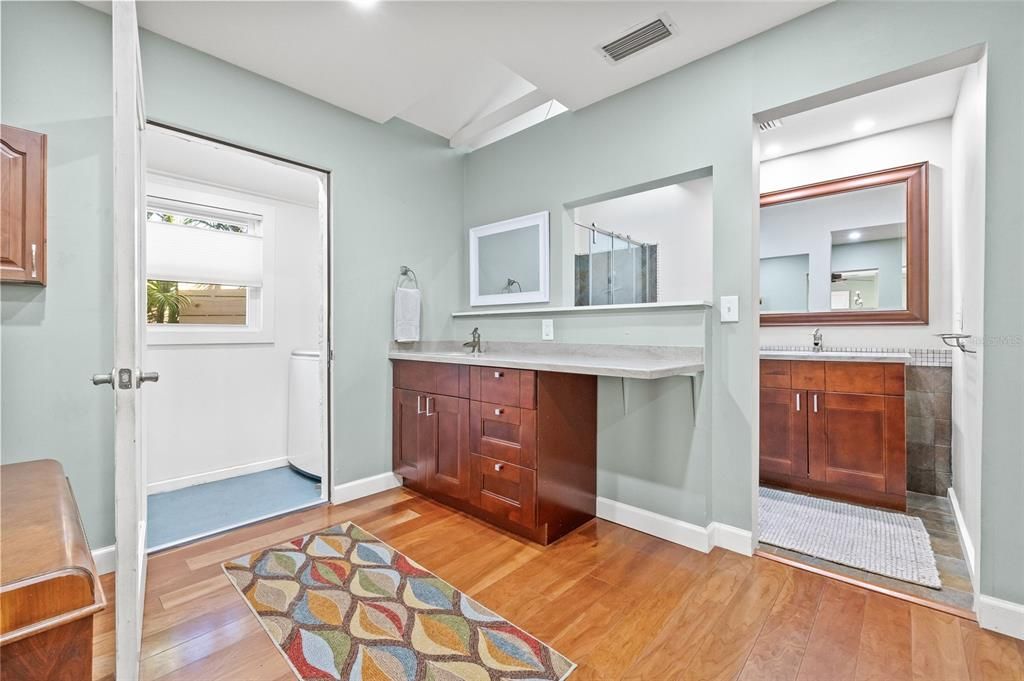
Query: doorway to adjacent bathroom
x,y
870,286
238,329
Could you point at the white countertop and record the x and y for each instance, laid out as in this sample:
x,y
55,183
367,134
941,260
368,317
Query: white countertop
x,y
620,361
838,356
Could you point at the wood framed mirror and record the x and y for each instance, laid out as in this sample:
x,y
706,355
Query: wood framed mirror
x,y
849,251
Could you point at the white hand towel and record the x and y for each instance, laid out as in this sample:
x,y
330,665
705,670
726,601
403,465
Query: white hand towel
x,y
407,314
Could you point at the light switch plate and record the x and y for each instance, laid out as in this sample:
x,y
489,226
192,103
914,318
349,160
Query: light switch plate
x,y
547,329
730,308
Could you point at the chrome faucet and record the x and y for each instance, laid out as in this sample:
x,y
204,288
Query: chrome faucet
x,y
817,340
474,345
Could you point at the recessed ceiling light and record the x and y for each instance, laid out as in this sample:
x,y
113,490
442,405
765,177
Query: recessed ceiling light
x,y
772,149
863,125
363,4
853,236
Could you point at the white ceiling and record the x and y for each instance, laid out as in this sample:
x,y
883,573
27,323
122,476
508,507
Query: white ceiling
x,y
191,158
444,65
911,103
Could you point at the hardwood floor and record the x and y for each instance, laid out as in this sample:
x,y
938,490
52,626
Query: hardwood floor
x,y
622,604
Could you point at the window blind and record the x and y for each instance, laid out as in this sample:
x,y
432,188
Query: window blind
x,y
203,256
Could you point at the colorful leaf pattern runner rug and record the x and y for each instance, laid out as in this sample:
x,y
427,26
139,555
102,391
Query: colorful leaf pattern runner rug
x,y
341,604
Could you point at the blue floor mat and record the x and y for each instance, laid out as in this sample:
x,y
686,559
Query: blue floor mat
x,y
206,508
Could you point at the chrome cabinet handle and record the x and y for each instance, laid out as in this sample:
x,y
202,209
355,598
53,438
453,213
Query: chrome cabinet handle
x,y
419,404
499,374
499,467
428,412
499,412
798,401
815,397
34,274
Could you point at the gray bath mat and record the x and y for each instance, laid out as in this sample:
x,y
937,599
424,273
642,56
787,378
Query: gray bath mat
x,y
890,544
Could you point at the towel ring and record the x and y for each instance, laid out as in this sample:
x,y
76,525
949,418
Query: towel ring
x,y
406,272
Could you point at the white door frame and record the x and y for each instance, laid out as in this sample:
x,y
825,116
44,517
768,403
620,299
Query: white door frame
x,y
129,463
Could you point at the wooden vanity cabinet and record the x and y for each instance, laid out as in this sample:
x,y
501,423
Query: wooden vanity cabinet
x,y
514,447
835,429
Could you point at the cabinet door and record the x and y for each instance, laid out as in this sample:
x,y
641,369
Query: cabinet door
x,y
445,445
784,432
847,436
406,426
23,212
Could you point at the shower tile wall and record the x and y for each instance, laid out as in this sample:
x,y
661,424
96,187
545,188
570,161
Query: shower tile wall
x,y
929,425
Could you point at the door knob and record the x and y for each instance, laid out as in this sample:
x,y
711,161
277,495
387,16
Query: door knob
x,y
146,377
101,379
499,412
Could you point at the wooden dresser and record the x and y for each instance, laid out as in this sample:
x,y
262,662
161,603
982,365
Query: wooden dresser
x,y
835,429
50,588
515,447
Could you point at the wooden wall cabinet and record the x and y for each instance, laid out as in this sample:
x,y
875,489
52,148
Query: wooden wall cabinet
x,y
22,206
514,447
835,429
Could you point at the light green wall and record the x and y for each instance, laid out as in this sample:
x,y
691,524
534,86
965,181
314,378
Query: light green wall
x,y
884,254
784,283
397,199
56,79
701,115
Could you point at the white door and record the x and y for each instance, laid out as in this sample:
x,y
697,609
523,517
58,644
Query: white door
x,y
129,327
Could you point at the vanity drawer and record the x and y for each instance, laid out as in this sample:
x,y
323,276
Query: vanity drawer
x,y
505,433
432,377
865,378
510,387
775,373
505,490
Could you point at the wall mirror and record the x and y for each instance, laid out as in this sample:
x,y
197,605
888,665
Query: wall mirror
x,y
847,251
509,261
651,245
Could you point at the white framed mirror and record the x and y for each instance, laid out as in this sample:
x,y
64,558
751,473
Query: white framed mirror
x,y
509,261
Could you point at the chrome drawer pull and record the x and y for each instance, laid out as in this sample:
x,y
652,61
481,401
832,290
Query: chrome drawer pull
x,y
34,273
428,412
499,412
815,396
499,374
498,467
798,401
419,404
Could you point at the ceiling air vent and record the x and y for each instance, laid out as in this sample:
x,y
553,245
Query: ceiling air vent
x,y
639,38
770,125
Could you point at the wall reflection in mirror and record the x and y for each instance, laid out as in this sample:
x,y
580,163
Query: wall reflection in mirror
x,y
844,251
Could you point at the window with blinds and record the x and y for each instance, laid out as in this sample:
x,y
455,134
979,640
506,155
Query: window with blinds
x,y
205,267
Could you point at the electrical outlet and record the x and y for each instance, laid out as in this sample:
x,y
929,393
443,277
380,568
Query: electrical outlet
x,y
547,329
730,308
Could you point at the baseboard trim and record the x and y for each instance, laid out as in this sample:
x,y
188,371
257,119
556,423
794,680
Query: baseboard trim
x,y
1006,617
105,558
732,538
214,476
677,531
364,487
965,537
